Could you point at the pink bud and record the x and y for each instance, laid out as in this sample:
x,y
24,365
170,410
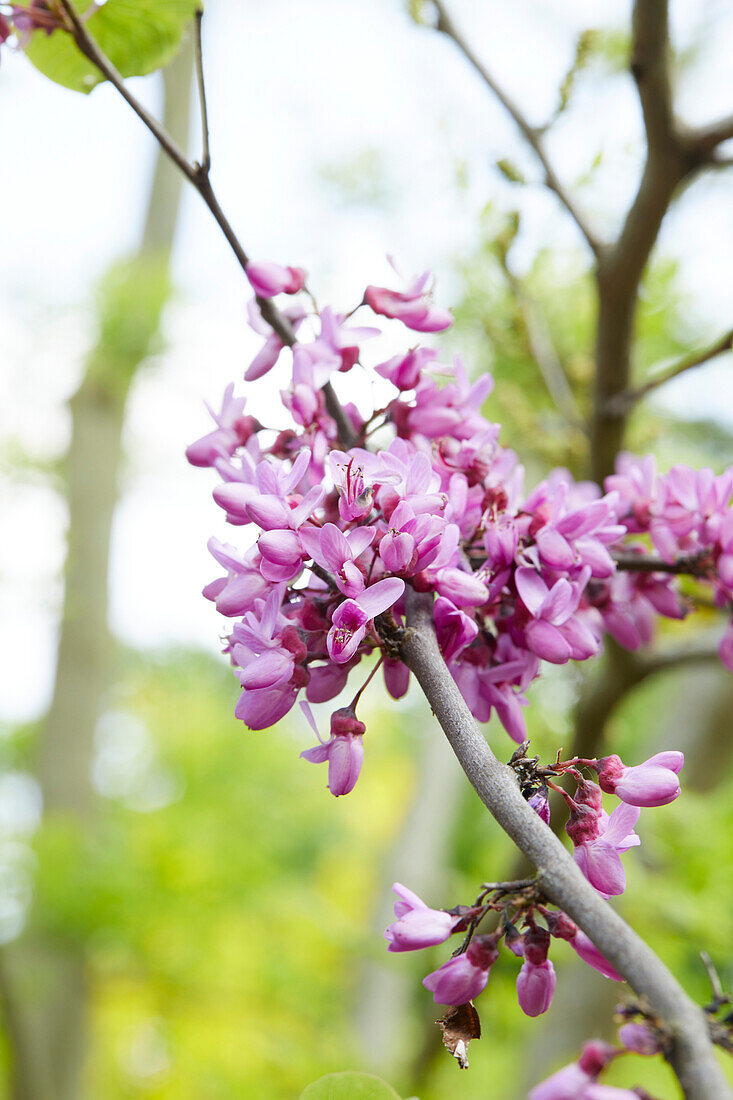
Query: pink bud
x,y
535,987
640,1039
268,279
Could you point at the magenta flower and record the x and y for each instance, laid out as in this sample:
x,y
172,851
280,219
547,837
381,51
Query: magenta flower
x,y
578,1080
414,306
336,348
653,783
269,354
232,430
454,628
352,617
417,925
339,553
553,633
464,976
268,279
344,750
590,954
535,987
640,1039
599,857
536,979
404,371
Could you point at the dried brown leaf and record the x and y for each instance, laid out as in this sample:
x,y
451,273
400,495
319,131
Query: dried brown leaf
x,y
460,1025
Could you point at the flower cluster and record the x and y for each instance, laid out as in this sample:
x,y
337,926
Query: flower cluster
x,y
527,926
687,516
19,21
343,525
579,1080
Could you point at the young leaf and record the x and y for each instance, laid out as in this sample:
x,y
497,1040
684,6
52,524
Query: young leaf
x,y
349,1086
138,36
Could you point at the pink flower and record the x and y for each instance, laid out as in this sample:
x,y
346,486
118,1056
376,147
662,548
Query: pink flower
x,y
404,371
232,430
464,976
338,553
535,987
599,857
268,279
417,925
413,307
639,1038
553,632
578,1080
352,617
269,354
344,749
536,979
455,629
590,954
653,783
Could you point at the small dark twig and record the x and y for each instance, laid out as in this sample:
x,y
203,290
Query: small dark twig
x,y
622,402
205,165
693,565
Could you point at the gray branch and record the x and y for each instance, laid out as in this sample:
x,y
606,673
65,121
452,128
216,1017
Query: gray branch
x,y
692,1056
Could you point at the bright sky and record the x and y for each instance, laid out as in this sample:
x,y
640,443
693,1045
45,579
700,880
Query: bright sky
x,y
293,88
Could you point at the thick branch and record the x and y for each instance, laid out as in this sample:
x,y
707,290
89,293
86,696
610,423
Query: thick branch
x,y
706,139
692,1057
532,135
622,266
623,402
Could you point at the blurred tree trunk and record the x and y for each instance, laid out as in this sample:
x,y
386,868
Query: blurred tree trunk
x,y
418,857
43,982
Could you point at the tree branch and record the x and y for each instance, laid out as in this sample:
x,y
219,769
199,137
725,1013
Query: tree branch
x,y
692,1055
545,356
622,265
693,565
205,165
198,176
626,400
532,135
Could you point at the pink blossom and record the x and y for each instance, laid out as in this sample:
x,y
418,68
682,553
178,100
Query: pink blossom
x,y
599,856
464,976
352,617
653,783
269,354
344,750
268,279
417,925
339,553
639,1038
413,306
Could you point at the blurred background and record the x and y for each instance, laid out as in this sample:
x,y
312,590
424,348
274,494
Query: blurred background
x,y
184,910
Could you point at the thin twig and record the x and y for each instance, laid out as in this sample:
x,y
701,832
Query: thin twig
x,y
622,402
532,134
201,85
544,354
198,176
693,565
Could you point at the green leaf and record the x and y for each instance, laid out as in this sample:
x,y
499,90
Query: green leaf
x,y
349,1086
138,36
510,171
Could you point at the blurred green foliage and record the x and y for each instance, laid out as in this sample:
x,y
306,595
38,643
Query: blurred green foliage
x,y
138,36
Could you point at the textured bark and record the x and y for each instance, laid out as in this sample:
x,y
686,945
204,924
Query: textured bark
x,y
43,984
692,1057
